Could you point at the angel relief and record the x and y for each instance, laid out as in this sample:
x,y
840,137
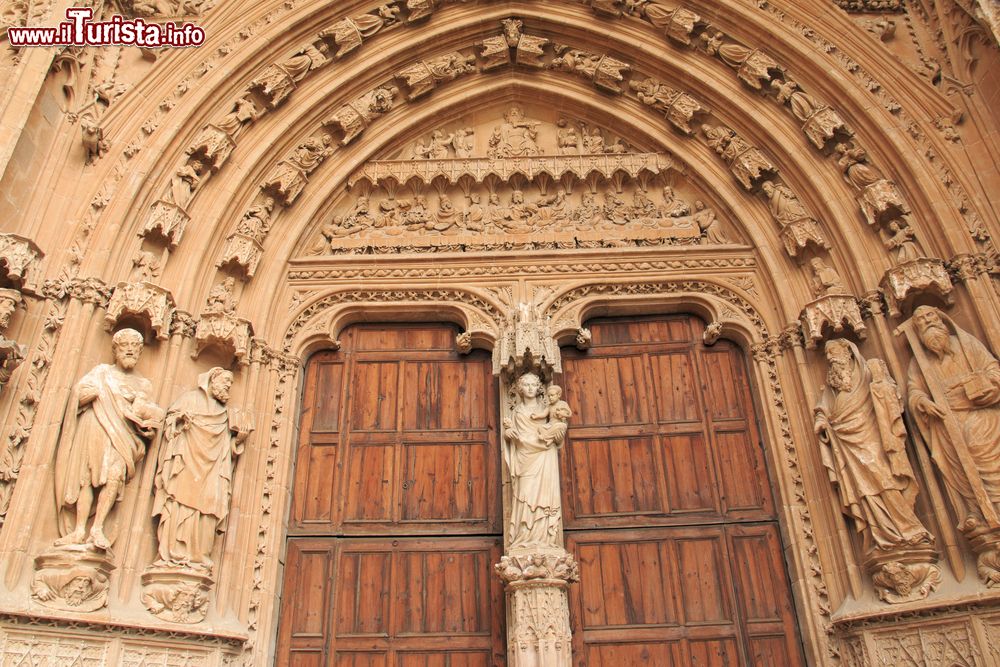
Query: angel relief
x,y
519,183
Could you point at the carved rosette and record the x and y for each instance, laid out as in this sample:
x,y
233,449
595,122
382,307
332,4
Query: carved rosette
x,y
273,85
212,147
881,202
229,333
72,578
801,234
242,251
150,303
176,594
19,257
834,313
924,276
167,220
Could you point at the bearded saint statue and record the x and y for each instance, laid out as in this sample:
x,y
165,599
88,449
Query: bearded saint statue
x,y
859,422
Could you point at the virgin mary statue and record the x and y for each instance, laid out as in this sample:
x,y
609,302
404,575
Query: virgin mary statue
x,y
531,453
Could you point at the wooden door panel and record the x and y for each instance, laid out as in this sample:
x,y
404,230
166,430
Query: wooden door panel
x,y
449,659
445,592
374,387
742,473
674,379
370,484
361,659
716,653
445,395
446,482
704,580
659,654
726,382
362,600
305,600
606,392
317,468
614,477
691,485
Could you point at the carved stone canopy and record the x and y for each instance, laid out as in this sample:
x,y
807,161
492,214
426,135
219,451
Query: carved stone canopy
x,y
19,257
831,314
526,345
922,279
150,304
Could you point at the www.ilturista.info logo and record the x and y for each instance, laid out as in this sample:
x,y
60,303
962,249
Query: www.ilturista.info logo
x,y
79,30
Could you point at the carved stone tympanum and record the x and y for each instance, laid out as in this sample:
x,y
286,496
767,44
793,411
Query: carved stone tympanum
x,y
859,422
953,391
202,437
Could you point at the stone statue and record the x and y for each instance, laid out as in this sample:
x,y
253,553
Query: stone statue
x,y
785,205
201,439
566,138
530,451
244,111
854,161
953,391
220,298
859,422
708,223
145,267
515,136
900,240
109,419
308,59
184,183
462,142
825,279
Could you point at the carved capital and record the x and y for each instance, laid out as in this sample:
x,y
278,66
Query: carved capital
x,y
285,182
273,86
19,257
166,220
824,126
552,568
833,313
917,278
747,163
227,332
151,304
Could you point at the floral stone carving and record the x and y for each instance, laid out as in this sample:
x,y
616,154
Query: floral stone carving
x,y
150,303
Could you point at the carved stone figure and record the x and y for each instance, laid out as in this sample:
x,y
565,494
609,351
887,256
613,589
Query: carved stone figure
x,y
145,267
593,141
900,241
854,161
825,279
953,390
566,138
201,438
672,206
785,205
308,59
311,152
859,422
708,223
110,418
244,112
10,301
462,142
438,147
530,451
220,298
185,183
515,136
256,222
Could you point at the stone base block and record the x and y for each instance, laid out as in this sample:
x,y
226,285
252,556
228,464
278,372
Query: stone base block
x,y
904,575
176,593
72,578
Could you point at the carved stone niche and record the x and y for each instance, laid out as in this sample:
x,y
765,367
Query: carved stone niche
x,y
911,281
212,147
19,257
150,304
881,202
832,313
166,221
176,594
72,578
243,252
226,332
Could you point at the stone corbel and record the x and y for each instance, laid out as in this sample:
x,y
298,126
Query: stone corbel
x,y
909,281
229,333
243,252
273,86
834,313
881,202
19,258
212,147
285,183
166,220
151,304
799,235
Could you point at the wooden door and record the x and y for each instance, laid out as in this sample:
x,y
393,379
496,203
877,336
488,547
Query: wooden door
x,y
668,506
395,520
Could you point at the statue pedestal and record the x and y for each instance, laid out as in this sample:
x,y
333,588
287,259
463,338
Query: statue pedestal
x,y
74,577
176,593
538,629
985,542
904,575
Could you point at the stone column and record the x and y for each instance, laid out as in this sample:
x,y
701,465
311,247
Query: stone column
x,y
536,568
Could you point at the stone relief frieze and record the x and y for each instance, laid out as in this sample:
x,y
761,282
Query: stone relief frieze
x,y
472,188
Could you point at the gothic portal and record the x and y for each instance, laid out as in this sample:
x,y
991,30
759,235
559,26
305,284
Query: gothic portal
x,y
469,332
